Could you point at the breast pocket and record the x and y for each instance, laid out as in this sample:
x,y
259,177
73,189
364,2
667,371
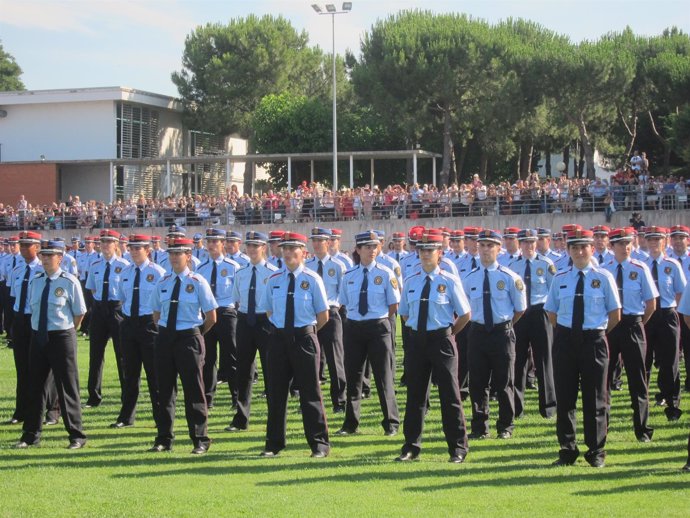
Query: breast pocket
x,y
597,301
57,302
439,298
304,300
476,301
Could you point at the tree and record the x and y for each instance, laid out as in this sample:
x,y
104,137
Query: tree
x,y
9,73
228,69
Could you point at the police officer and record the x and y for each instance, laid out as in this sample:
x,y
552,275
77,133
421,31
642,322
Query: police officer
x,y
566,262
637,293
601,244
679,241
184,309
84,260
296,303
219,271
663,327
497,299
174,232
57,306
429,304
544,244
582,305
253,327
199,251
371,295
3,282
398,241
69,263
233,240
104,276
20,285
274,239
457,245
124,252
684,309
137,330
157,253
512,246
330,336
533,331
334,248
9,263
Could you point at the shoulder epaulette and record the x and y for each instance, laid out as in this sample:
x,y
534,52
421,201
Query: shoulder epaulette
x,y
276,274
353,269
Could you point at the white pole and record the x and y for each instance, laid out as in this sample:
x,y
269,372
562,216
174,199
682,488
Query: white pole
x,y
311,163
433,165
111,175
414,167
228,175
352,172
168,179
289,183
335,120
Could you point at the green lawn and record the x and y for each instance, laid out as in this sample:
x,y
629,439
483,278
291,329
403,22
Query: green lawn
x,y
114,475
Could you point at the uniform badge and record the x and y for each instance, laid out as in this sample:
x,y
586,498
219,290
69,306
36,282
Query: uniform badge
x,y
59,292
118,269
552,269
331,272
633,276
223,273
519,285
150,277
596,283
378,280
501,285
394,283
397,271
189,288
441,288
540,271
668,270
304,285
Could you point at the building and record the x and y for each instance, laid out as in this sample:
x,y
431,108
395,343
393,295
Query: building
x,y
57,143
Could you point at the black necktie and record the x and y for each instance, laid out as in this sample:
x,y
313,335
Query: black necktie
x,y
171,322
24,291
251,302
14,261
134,308
619,281
601,259
280,263
397,256
655,276
319,270
424,305
290,304
486,299
106,283
42,336
570,261
214,278
155,256
363,302
474,264
528,283
579,303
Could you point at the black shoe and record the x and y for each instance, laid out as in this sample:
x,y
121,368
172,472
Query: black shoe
x,y
478,435
339,409
157,448
563,462
456,459
119,424
644,438
617,387
50,422
391,432
199,450
22,445
268,454
319,454
530,385
233,428
660,402
596,462
12,421
344,431
89,404
366,395
75,444
505,434
407,456
686,467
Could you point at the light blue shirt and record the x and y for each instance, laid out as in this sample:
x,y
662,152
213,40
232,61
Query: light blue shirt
x,y
226,269
84,260
466,267
17,279
603,257
409,264
505,259
507,293
671,279
333,270
157,256
201,254
9,263
600,297
639,254
276,261
309,297
69,265
345,259
542,271
446,299
65,300
382,291
150,274
638,285
96,273
394,265
195,298
240,258
398,255
242,281
684,260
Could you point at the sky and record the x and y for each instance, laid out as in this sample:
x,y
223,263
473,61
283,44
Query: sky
x,y
139,43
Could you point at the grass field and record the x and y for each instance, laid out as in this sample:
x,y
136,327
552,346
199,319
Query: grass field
x,y
114,476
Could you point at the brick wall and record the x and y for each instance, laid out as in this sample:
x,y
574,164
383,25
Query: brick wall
x,y
37,182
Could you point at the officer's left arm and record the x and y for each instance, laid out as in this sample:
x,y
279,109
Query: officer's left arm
x,y
392,294
320,301
209,321
321,319
78,305
679,283
518,296
613,303
461,306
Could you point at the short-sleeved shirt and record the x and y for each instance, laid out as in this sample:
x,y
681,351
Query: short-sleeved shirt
x,y
309,297
638,285
466,266
671,279
382,291
65,300
149,275
69,265
542,271
390,262
600,297
96,276
226,269
18,277
507,293
195,297
333,271
242,281
446,299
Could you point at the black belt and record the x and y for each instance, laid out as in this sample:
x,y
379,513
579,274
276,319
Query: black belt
x,y
666,310
110,303
434,334
508,324
142,319
366,322
298,331
260,317
183,332
584,332
631,319
535,306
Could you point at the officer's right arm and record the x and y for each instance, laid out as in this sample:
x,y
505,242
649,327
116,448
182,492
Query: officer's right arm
x,y
155,302
321,319
552,303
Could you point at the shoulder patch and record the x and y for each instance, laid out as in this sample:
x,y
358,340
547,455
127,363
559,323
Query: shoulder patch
x,y
275,274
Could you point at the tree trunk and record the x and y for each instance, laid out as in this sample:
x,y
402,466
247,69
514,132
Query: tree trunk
x,y
632,131
483,164
247,183
409,173
447,148
587,149
664,143
547,160
526,149
460,162
566,159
